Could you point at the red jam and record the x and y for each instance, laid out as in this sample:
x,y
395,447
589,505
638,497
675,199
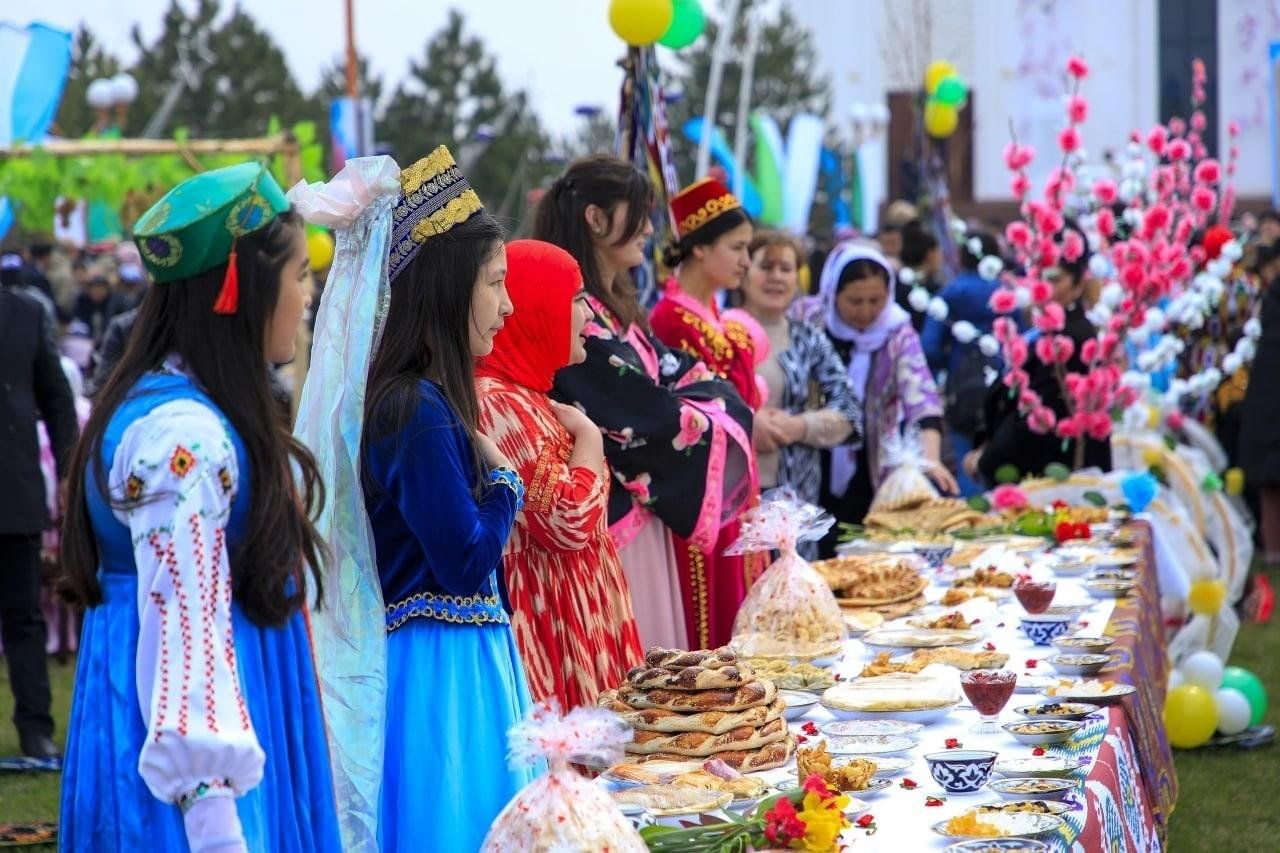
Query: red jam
x,y
988,690
1035,596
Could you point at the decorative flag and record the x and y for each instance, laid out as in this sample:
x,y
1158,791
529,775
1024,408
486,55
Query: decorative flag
x,y
34,63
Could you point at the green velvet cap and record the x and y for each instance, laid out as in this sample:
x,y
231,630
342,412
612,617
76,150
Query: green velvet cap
x,y
191,229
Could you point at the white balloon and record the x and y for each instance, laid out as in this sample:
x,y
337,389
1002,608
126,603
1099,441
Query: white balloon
x,y
938,308
1231,250
1219,267
974,245
1253,328
990,267
964,331
1231,363
989,345
124,88
859,112
1023,297
1112,294
1246,348
918,298
100,94
1099,266
907,275
1233,710
1175,678
1203,669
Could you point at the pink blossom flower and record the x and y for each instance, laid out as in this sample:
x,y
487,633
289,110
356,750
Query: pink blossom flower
x,y
1018,157
1069,428
1019,185
1077,68
1004,329
1104,190
1042,420
1009,496
1157,138
1179,150
1156,218
1069,139
1047,218
1077,109
1233,129
1018,234
1126,396
1048,253
1109,342
1132,275
1041,291
692,426
1089,351
1017,351
1180,269
1198,122
1099,426
1177,126
1199,151
1003,300
1207,172
1051,318
1106,221
1198,75
1055,349
1072,246
1182,233
1203,199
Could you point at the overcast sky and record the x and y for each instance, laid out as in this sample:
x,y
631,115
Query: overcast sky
x,y
562,51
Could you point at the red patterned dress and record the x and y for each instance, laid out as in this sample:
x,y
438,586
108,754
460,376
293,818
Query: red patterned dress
x,y
573,620
717,584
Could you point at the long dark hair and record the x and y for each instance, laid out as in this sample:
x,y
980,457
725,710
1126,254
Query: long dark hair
x,y
681,251
427,334
226,355
606,182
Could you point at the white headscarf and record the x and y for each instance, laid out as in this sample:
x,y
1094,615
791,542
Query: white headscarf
x,y
866,342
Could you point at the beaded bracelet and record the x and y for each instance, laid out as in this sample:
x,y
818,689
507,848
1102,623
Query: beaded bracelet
x,y
216,788
508,477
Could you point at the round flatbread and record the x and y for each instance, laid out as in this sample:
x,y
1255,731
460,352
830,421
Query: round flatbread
x,y
691,677
712,722
745,760
751,695
702,744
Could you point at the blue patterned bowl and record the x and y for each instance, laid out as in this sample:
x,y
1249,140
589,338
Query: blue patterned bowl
x,y
961,771
1043,632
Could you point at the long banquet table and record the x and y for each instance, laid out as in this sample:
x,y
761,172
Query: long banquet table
x,y
1125,769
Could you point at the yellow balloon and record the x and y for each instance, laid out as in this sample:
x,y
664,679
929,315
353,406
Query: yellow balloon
x,y
1153,417
1190,716
320,250
1151,456
1207,596
640,22
940,119
934,74
1234,481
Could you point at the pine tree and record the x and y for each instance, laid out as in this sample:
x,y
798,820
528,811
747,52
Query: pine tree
x,y
596,135
454,96
333,81
243,80
785,81
89,61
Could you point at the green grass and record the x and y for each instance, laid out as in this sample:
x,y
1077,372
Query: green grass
x,y
1225,801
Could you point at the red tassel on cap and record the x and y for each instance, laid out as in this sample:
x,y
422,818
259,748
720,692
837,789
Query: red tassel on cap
x,y
229,297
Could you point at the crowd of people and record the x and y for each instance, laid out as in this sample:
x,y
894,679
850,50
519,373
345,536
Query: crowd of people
x,y
550,473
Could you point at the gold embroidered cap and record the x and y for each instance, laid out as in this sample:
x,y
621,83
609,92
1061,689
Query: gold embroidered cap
x,y
434,197
699,203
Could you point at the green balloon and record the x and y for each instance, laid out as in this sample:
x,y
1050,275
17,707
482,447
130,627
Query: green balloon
x,y
687,23
1251,686
952,91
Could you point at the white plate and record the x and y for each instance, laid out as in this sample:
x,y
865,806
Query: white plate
x,y
798,703
1012,825
871,745
863,728
1050,806
877,785
1007,788
1037,766
886,765
856,808
1084,693
925,717
1033,683
910,639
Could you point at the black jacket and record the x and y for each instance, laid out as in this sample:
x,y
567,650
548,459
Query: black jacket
x,y
32,388
1009,441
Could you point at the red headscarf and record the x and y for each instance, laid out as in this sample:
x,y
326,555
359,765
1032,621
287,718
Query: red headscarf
x,y
542,281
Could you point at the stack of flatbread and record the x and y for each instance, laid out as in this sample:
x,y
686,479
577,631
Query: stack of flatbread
x,y
930,515
702,704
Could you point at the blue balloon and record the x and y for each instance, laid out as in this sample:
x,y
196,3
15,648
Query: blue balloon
x,y
723,155
1140,489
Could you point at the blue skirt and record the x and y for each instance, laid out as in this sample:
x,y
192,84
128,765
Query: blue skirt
x,y
105,803
453,691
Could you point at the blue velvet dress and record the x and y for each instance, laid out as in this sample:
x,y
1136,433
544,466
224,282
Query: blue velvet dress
x,y
106,805
455,683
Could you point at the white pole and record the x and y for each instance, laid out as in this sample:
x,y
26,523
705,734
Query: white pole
x,y
744,106
718,58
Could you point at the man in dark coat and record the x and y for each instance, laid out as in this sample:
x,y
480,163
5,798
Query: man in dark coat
x,y
32,388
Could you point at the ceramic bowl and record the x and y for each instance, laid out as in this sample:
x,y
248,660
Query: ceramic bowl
x,y
961,771
1055,731
1083,644
1042,632
1023,788
1109,588
798,702
1075,663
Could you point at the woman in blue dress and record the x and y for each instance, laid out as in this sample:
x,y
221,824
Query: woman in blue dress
x,y
196,721
441,500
